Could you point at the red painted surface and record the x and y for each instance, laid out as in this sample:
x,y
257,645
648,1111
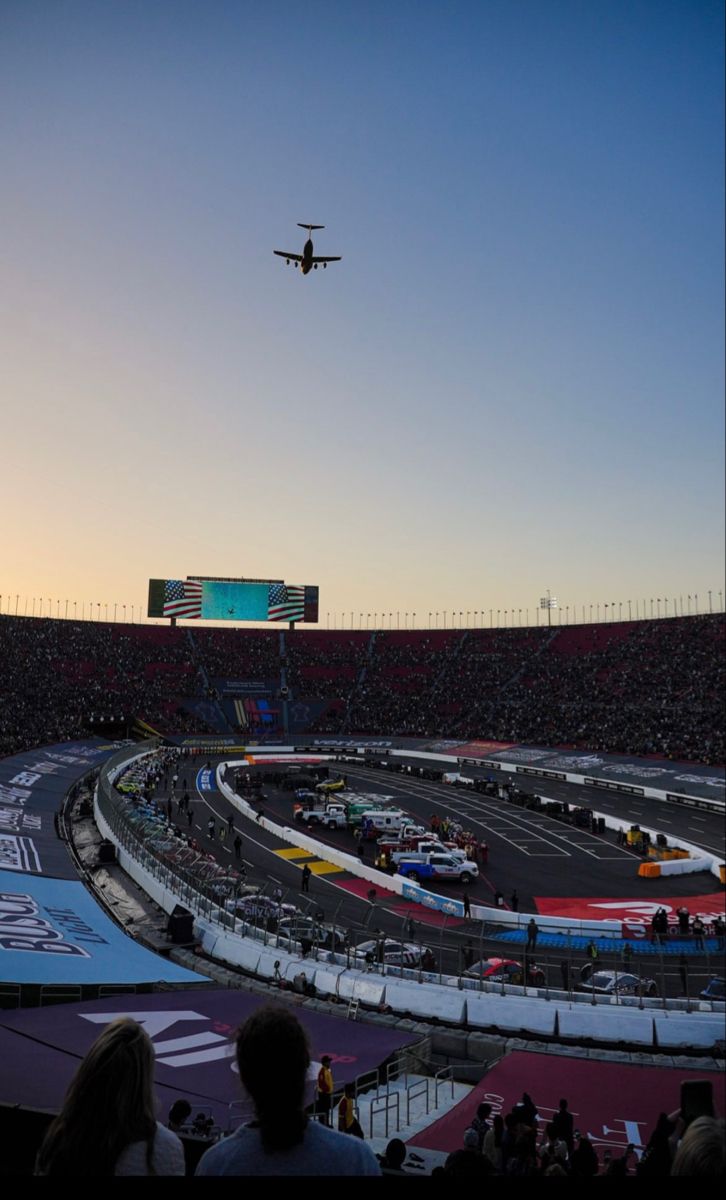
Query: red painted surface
x,y
603,908
612,1103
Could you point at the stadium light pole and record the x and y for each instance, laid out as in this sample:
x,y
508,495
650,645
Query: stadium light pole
x,y
720,602
499,613
398,620
689,605
124,608
709,603
114,610
105,612
695,597
491,618
444,620
430,615
630,611
17,598
665,601
437,620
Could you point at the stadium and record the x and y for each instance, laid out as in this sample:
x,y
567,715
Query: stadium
x,y
370,368
165,787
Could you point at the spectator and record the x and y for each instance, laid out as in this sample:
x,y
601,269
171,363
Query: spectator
x,y
393,1159
702,1149
563,1125
468,1163
273,1060
107,1124
583,1160
492,1147
179,1114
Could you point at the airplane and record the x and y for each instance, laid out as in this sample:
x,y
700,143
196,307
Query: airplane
x,y
306,261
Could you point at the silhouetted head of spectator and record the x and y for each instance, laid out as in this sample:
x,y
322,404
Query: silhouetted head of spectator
x,y
179,1114
702,1150
395,1153
109,1104
273,1057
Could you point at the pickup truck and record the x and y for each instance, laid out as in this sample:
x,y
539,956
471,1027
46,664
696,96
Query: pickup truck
x,y
333,816
423,850
437,866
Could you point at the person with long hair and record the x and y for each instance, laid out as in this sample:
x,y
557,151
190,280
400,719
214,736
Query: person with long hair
x,y
107,1125
274,1059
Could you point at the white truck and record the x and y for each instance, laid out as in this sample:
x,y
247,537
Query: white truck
x,y
437,866
332,816
424,849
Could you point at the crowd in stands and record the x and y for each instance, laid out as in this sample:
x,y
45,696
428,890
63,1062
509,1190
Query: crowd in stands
x,y
641,687
237,653
323,664
520,1144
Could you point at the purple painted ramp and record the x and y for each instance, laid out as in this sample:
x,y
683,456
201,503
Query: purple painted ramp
x,y
192,1034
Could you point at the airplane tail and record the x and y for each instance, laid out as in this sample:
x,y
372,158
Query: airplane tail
x,y
310,226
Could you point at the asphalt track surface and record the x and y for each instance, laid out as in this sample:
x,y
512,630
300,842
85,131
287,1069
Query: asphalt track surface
x,y
538,856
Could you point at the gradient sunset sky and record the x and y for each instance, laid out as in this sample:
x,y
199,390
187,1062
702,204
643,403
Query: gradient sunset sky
x,y
514,380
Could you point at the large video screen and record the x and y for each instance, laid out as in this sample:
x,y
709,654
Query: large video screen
x,y
225,600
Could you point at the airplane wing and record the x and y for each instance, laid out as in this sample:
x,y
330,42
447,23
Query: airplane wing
x,y
286,254
335,258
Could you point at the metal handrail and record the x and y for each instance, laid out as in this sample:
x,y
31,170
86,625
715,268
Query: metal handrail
x,y
441,1077
384,1104
416,1089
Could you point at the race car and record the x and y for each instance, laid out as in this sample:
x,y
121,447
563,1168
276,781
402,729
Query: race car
x,y
390,952
506,970
615,983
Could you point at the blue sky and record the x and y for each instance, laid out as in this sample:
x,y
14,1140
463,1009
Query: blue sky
x,y
513,380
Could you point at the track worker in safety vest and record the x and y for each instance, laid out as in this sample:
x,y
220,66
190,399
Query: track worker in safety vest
x,y
325,1090
347,1120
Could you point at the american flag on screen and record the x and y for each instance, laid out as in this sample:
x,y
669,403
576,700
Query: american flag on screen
x,y
182,598
285,602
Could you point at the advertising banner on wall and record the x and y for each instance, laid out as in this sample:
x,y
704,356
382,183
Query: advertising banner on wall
x,y
32,787
53,932
192,1033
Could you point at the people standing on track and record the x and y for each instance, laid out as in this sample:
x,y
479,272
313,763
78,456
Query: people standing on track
x,y
468,954
565,972
498,899
698,929
514,902
532,931
467,904
230,824
305,883
190,815
238,847
210,828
